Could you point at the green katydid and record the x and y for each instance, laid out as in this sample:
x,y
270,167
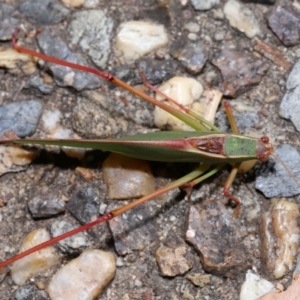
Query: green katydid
x,y
209,148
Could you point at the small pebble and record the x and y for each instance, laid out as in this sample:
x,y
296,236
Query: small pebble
x,y
192,27
37,262
185,91
241,18
84,278
200,280
38,83
120,262
240,70
254,287
192,36
45,203
173,256
204,4
73,244
10,57
127,178
284,22
15,158
137,38
30,291
217,238
192,55
51,44
84,203
280,237
102,208
93,36
219,36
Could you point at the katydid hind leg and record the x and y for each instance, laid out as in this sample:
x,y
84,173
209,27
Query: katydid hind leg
x,y
189,112
109,215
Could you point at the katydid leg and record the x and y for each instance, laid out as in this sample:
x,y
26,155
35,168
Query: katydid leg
x,y
227,186
206,175
230,117
235,167
110,215
182,107
111,78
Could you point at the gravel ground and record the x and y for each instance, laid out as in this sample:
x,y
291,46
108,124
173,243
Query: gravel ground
x,y
199,41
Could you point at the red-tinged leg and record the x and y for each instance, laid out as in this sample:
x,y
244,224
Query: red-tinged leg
x,y
156,90
185,109
108,216
111,78
230,117
227,194
235,167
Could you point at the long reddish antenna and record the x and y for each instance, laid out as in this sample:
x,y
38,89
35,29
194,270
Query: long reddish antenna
x,y
111,78
286,168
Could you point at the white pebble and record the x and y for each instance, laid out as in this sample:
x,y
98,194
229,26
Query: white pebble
x,y
120,262
10,57
137,38
102,208
190,233
172,218
192,36
241,18
84,278
187,92
12,157
138,283
255,287
192,27
37,262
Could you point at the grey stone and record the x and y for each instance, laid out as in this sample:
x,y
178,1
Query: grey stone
x,y
73,244
20,117
53,45
8,23
43,12
274,180
91,30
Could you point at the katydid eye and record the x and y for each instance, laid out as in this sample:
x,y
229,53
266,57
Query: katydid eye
x,y
265,139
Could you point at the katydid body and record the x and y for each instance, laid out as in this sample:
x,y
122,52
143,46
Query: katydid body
x,y
208,148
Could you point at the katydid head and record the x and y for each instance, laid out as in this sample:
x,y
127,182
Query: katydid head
x,y
264,149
